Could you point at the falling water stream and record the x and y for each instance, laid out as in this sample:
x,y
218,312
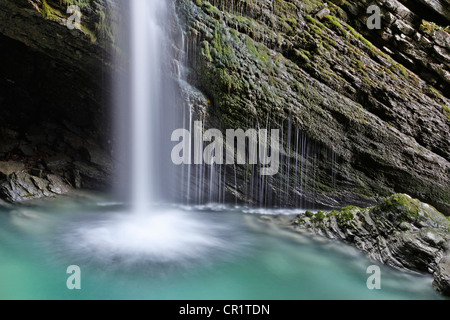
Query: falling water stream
x,y
146,96
151,250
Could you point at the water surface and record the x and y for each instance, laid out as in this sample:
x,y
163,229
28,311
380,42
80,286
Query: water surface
x,y
197,252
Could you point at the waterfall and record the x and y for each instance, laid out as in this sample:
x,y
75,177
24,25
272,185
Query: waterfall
x,y
156,230
146,65
151,104
153,230
153,108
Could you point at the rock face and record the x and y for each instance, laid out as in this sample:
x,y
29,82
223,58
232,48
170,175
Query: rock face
x,y
410,33
357,121
401,232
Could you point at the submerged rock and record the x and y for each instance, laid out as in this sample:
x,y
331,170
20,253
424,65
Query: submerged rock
x,y
401,232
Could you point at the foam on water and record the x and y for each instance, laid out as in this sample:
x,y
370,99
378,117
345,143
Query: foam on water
x,y
166,236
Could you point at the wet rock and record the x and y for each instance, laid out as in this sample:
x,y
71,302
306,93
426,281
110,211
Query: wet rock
x,y
57,185
27,150
76,178
74,140
442,38
322,13
57,163
99,157
21,186
38,171
88,176
441,7
442,276
41,184
9,167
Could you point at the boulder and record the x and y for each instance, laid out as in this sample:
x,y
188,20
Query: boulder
x,y
400,231
21,186
57,185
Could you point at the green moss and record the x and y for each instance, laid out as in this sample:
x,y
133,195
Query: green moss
x,y
347,214
28,195
323,187
315,26
335,24
104,25
400,70
302,55
211,10
50,13
373,51
319,216
284,8
206,51
309,214
361,66
339,2
53,13
446,109
336,10
260,52
89,33
430,27
311,5
349,33
399,208
80,3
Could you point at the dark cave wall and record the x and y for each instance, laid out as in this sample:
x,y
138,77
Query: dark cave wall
x,y
36,88
55,93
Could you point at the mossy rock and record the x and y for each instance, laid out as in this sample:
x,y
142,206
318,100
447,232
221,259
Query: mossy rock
x,y
309,214
319,216
399,208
